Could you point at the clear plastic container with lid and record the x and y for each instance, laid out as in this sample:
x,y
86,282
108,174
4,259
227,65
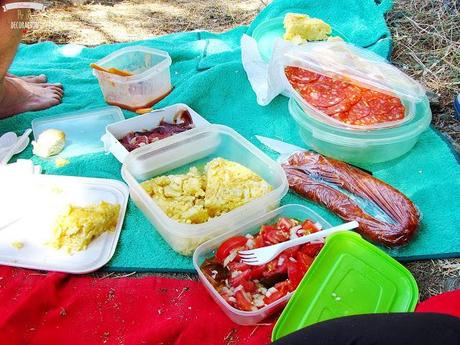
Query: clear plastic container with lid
x,y
149,83
177,154
252,226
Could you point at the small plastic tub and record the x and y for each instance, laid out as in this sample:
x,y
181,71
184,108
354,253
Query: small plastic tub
x,y
361,147
116,131
150,82
208,249
177,154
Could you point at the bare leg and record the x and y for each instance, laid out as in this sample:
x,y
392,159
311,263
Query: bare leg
x,y
21,94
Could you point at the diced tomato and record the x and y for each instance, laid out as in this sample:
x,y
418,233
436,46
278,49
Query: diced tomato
x,y
243,276
295,272
290,252
273,297
274,268
248,285
311,249
309,226
272,235
233,243
284,224
238,266
304,261
257,271
284,287
258,241
242,301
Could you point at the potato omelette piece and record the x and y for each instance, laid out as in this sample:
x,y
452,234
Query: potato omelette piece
x,y
230,185
300,28
77,226
181,197
196,196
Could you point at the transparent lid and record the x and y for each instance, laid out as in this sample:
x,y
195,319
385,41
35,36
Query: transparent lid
x,y
357,65
353,66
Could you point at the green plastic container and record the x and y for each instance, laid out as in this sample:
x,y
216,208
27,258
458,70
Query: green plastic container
x,y
361,147
268,31
350,276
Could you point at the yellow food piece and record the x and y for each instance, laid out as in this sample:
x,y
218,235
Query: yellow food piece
x,y
300,28
77,226
50,142
61,162
195,197
18,245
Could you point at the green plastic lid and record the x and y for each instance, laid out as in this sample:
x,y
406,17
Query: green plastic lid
x,y
268,31
349,276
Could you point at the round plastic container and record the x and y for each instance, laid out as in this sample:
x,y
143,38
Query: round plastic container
x,y
176,154
361,147
208,249
150,82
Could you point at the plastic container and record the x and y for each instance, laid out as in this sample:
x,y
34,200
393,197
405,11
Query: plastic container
x,y
83,129
149,83
208,249
195,148
349,276
267,32
30,205
148,121
361,147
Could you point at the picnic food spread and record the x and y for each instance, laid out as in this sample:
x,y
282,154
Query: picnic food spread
x,y
344,101
249,288
300,28
182,122
317,178
195,197
188,190
77,226
50,142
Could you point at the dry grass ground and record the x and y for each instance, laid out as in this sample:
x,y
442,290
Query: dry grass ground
x,y
426,45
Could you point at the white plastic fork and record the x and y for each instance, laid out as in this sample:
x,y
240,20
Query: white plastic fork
x,y
260,256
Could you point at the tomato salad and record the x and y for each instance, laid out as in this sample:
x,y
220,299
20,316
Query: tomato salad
x,y
344,101
250,288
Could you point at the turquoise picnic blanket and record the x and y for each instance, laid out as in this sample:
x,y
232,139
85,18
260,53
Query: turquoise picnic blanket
x,y
208,76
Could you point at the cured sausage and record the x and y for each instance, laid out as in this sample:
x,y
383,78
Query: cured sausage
x,y
328,181
344,101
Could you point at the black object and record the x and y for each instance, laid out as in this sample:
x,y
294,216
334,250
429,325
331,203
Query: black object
x,y
380,329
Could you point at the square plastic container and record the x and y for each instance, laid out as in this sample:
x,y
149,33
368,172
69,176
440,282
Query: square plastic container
x,y
83,129
207,250
148,121
150,82
349,276
196,147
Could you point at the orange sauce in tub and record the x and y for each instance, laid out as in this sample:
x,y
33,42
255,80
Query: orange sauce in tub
x,y
147,105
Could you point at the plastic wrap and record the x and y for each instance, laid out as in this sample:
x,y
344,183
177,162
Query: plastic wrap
x,y
353,195
362,79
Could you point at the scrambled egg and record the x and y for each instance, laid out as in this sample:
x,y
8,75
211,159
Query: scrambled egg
x,y
300,28
61,162
78,226
17,245
196,197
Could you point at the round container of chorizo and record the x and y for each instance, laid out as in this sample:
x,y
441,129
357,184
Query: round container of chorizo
x,y
361,146
349,87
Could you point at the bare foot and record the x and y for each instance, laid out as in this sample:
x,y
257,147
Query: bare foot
x,y
30,78
18,95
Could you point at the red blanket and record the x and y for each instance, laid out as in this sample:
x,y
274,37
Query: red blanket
x,y
58,308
